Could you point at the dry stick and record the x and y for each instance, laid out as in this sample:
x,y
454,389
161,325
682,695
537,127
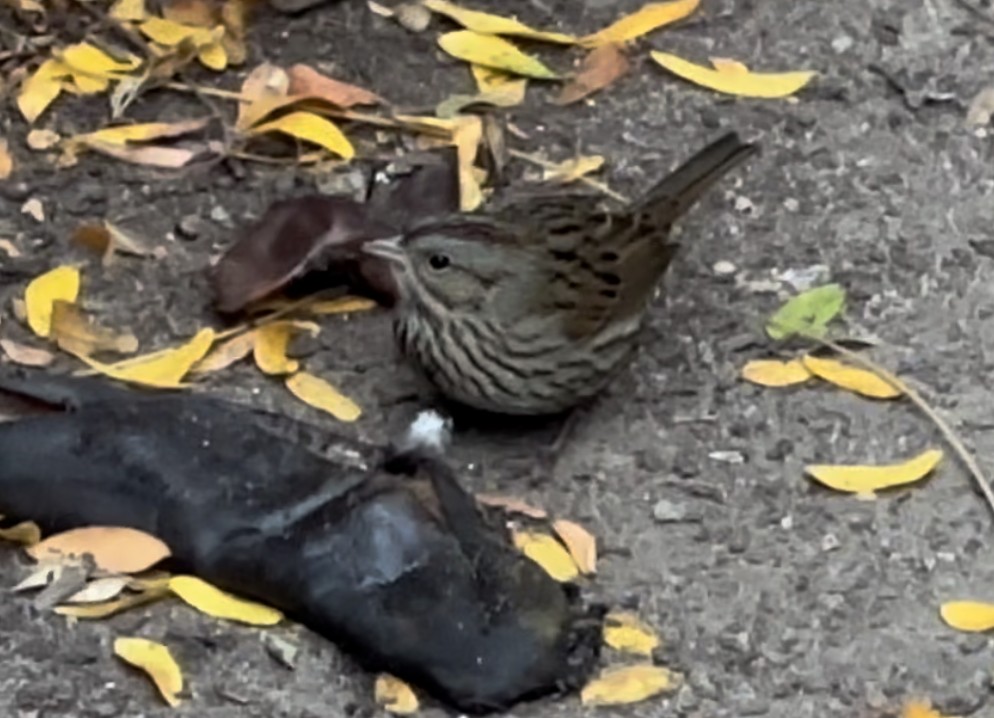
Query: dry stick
x,y
600,186
962,453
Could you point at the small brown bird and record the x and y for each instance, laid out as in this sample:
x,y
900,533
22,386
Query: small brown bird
x,y
533,308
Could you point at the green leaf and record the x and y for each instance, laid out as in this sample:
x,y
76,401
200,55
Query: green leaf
x,y
807,313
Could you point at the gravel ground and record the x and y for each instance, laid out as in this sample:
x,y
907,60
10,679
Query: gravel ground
x,y
775,597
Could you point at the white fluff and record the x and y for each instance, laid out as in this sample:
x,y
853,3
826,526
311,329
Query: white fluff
x,y
429,430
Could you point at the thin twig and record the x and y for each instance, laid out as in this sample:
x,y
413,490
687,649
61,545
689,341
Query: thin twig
x,y
599,186
962,453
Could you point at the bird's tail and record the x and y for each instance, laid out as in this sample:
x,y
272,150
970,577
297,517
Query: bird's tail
x,y
680,190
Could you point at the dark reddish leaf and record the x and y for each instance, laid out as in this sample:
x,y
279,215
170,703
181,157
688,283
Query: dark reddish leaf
x,y
599,69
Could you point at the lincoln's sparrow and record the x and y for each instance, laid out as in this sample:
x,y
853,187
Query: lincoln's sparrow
x,y
531,309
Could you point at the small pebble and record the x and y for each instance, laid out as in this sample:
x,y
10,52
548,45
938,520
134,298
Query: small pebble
x,y
220,215
724,268
190,227
830,542
668,512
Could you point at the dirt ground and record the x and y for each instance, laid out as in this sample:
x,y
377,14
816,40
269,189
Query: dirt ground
x,y
773,596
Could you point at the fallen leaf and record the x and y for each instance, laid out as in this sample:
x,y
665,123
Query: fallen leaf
x,y
116,549
156,660
378,9
264,86
126,134
128,10
321,395
342,305
41,88
508,95
96,611
572,170
466,133
772,372
311,128
39,139
733,78
189,12
495,52
6,159
34,209
91,61
850,377
44,574
214,602
600,68
512,505
164,368
99,590
581,544
9,248
867,479
487,24
74,332
624,631
150,155
227,353
548,553
920,709
628,684
413,16
807,313
648,18
395,696
971,616
26,533
24,355
61,283
271,343
305,80
981,108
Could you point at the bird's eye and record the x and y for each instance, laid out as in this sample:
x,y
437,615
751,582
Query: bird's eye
x,y
438,261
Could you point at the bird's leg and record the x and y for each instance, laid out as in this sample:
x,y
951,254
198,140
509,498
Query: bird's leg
x,y
548,456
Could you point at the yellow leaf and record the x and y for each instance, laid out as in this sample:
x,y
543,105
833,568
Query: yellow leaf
x,y
91,60
271,344
867,479
170,33
849,377
581,544
26,533
40,89
128,10
572,170
321,395
24,355
730,79
971,616
395,696
213,56
6,160
547,553
144,132
117,549
495,52
623,631
95,611
61,283
488,24
488,79
311,128
645,20
772,372
226,354
342,305
628,684
164,369
920,709
156,660
214,602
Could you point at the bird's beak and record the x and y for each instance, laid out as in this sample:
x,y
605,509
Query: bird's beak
x,y
388,249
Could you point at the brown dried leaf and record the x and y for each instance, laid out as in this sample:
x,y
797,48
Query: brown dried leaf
x,y
305,80
26,533
6,160
600,68
76,333
114,548
264,85
226,354
151,155
189,12
581,544
24,355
